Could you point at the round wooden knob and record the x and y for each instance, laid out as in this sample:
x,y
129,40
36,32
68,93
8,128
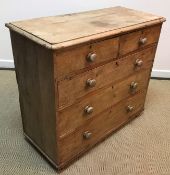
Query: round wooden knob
x,y
143,41
91,82
130,108
87,135
133,85
88,109
91,57
138,63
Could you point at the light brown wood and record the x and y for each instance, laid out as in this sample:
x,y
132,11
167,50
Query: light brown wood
x,y
71,90
130,42
74,116
152,34
74,59
110,119
34,73
56,82
73,29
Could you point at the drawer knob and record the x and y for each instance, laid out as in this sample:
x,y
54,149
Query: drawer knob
x,y
88,109
91,57
138,63
91,82
87,135
143,41
130,108
133,85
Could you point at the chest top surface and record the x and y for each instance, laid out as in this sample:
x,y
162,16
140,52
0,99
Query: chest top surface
x,y
70,29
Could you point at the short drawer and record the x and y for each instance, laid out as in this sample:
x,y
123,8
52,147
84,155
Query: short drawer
x,y
77,114
100,127
73,60
71,90
136,40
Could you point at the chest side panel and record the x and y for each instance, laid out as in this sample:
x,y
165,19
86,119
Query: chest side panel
x,y
34,73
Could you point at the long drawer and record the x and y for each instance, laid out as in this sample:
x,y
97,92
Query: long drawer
x,y
77,114
99,127
71,90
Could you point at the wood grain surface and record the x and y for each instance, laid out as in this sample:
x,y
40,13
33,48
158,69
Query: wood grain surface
x,y
107,121
130,42
72,29
71,90
74,116
52,71
34,72
74,59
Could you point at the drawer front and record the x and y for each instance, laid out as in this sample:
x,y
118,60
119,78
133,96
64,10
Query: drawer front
x,y
99,127
75,59
76,115
72,90
136,40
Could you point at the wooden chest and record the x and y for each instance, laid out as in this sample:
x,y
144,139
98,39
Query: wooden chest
x,y
82,76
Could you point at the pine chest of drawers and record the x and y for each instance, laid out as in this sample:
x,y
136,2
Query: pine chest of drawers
x,y
82,76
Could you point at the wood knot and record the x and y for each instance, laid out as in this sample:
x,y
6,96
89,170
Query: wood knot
x,y
117,63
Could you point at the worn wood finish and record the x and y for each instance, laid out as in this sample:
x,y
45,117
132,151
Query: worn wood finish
x,y
74,59
131,41
110,119
74,116
72,29
71,90
57,84
34,73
